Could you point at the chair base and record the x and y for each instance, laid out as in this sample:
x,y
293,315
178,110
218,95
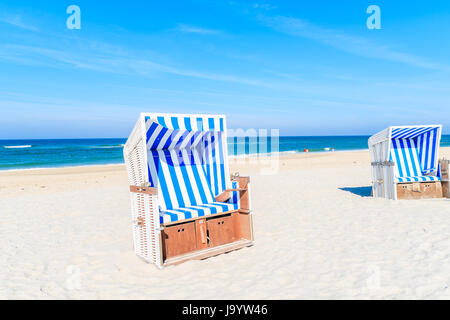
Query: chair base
x,y
210,252
446,189
205,237
419,190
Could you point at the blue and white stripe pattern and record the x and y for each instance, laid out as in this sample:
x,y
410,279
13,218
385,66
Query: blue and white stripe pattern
x,y
411,132
179,177
191,123
179,214
428,144
214,160
414,150
418,179
186,162
235,199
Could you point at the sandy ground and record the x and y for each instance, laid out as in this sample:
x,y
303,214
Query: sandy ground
x,y
66,233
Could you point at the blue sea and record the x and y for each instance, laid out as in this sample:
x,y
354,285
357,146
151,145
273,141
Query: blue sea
x,y
26,154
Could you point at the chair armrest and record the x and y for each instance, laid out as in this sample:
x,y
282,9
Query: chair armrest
x,y
241,187
226,194
427,171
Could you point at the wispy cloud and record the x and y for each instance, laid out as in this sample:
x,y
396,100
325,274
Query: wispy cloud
x,y
339,40
17,21
104,61
194,29
264,6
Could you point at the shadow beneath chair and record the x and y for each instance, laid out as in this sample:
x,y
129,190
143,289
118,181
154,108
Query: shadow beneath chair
x,y
359,191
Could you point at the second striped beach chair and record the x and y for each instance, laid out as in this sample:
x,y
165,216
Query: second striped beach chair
x,y
405,163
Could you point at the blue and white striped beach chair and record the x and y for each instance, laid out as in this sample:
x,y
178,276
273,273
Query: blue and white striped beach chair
x,y
184,203
404,156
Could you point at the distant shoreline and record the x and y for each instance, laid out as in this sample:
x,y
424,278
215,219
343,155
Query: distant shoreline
x,y
62,153
283,155
251,155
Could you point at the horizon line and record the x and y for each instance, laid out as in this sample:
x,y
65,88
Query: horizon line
x,y
124,138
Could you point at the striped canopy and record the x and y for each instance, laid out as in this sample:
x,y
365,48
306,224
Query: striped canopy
x,y
412,131
187,159
167,133
414,149
191,123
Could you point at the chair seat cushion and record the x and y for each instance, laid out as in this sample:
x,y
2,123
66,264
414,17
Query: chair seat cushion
x,y
417,179
202,210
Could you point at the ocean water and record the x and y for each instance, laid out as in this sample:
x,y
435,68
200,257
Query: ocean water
x,y
26,154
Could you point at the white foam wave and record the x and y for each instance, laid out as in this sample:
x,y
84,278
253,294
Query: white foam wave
x,y
18,147
107,147
258,155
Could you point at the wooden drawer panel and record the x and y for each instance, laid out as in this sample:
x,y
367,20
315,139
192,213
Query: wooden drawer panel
x,y
419,190
179,239
221,230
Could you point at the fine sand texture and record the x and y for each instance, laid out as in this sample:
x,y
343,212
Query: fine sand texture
x,y
66,234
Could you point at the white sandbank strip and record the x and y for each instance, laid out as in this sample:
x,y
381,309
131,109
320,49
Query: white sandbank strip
x,y
254,155
66,167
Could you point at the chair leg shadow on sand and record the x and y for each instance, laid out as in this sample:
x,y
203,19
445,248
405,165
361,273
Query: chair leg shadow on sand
x,y
359,191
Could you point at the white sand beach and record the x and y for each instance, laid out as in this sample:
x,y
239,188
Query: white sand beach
x,y
66,234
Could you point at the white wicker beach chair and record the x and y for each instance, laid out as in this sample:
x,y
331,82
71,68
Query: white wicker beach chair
x,y
184,203
405,163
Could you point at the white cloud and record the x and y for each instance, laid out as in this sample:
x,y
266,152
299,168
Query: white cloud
x,y
104,61
193,29
264,6
17,21
349,43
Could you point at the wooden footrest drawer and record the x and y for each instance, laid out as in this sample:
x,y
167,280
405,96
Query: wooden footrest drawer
x,y
184,238
179,239
419,190
221,230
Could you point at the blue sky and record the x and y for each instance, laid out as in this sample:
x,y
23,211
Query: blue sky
x,y
305,67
